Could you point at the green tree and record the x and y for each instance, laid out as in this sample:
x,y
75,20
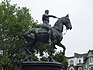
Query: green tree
x,y
61,58
14,22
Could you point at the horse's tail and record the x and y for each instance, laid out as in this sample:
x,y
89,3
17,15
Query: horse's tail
x,y
30,35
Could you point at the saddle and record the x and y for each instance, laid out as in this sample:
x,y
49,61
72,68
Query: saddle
x,y
43,31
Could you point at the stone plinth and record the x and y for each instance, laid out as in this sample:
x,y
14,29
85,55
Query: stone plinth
x,y
41,65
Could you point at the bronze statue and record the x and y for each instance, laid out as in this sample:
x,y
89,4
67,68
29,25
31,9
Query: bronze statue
x,y
45,19
42,34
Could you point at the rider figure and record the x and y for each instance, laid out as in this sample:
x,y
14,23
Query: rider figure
x,y
45,19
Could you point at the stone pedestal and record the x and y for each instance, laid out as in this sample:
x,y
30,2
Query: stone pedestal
x,y
41,65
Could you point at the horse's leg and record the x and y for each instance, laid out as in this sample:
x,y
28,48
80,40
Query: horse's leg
x,y
30,38
50,58
61,45
29,50
53,45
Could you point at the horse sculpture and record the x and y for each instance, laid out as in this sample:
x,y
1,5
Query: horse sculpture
x,y
42,34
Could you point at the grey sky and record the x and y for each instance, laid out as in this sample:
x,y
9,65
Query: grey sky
x,y
80,38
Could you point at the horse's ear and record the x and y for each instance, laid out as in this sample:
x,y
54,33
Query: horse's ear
x,y
67,15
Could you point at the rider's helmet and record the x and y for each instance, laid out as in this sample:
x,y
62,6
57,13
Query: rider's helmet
x,y
47,11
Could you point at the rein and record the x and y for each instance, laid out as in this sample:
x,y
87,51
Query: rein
x,y
65,31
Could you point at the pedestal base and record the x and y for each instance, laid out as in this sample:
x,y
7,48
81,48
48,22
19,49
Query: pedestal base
x,y
41,65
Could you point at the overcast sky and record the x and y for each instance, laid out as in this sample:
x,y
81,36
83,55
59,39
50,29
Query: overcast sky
x,y
80,38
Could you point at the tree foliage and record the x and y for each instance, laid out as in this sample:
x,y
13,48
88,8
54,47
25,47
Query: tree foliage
x,y
14,22
61,58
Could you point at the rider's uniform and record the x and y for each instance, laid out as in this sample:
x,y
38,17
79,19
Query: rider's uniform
x,y
45,19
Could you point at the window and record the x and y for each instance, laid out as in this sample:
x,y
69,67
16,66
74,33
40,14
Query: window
x,y
71,62
79,61
91,59
90,68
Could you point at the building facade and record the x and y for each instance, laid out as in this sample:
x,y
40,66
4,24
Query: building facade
x,y
81,61
88,62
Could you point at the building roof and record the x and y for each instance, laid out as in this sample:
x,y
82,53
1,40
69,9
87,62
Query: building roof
x,y
77,55
90,51
84,55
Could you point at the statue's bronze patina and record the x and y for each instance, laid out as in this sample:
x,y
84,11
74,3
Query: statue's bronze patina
x,y
43,34
45,19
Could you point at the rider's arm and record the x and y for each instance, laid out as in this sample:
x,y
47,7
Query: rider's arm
x,y
52,16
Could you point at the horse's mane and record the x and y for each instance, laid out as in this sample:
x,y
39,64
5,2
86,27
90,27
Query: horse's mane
x,y
57,22
59,25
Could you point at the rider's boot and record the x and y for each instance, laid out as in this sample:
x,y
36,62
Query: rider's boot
x,y
49,37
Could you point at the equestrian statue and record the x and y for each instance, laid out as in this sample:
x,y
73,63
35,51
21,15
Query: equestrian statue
x,y
47,34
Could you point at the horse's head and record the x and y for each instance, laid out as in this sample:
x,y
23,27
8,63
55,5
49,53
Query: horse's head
x,y
63,21
66,22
